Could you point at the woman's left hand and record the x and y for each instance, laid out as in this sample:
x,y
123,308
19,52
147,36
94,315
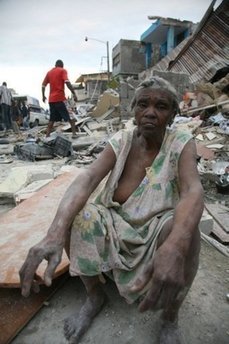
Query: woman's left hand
x,y
165,275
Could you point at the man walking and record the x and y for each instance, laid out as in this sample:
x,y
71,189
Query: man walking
x,y
57,77
5,101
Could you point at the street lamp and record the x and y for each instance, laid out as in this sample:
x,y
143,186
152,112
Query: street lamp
x,y
107,46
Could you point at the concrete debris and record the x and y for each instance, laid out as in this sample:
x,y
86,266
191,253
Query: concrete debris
x,y
211,241
224,126
5,160
108,100
21,177
217,119
30,190
97,147
6,149
206,223
204,153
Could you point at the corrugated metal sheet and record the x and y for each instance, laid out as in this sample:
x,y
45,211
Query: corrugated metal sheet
x,y
164,63
206,51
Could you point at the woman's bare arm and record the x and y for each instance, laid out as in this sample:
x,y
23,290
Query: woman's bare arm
x,y
74,199
190,207
79,192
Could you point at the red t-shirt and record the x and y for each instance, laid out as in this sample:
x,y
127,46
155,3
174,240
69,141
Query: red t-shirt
x,y
56,78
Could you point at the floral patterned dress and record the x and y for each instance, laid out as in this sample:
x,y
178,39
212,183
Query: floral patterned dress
x,y
120,239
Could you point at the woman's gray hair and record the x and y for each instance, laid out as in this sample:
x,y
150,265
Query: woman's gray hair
x,y
156,82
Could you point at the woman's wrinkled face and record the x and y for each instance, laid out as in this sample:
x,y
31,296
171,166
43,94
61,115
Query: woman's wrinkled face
x,y
153,110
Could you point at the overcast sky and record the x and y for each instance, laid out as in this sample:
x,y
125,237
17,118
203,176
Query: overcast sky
x,y
35,33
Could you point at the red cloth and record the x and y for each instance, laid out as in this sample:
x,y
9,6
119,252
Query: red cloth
x,y
56,78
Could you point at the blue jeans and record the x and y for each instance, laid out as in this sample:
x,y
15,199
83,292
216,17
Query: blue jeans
x,y
26,122
6,116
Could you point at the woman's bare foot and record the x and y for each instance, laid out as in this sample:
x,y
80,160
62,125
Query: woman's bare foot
x,y
77,324
170,333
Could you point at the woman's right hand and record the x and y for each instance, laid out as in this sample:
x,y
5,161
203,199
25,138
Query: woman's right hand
x,y
48,249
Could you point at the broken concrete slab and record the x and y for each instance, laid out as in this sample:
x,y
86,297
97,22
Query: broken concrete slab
x,y
85,141
29,190
206,223
78,123
109,99
200,137
210,136
5,159
204,152
87,130
26,224
20,177
108,113
191,126
6,149
94,125
215,146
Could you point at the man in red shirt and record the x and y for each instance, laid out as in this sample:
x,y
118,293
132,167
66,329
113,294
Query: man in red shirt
x,y
57,77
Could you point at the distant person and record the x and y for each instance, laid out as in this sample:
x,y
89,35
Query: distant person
x,y
25,115
15,115
5,101
57,77
188,100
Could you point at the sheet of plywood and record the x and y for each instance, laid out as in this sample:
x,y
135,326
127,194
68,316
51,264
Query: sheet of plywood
x,y
25,225
16,310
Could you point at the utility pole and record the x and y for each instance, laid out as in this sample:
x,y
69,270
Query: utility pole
x,y
107,56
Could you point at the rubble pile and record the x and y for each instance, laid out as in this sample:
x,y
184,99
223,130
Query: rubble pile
x,y
209,102
207,98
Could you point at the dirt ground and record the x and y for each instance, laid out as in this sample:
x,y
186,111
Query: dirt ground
x,y
204,316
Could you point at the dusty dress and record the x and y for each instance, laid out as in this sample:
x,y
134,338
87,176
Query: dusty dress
x,y
120,239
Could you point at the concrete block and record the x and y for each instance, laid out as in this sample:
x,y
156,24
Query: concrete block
x,y
20,177
206,223
108,99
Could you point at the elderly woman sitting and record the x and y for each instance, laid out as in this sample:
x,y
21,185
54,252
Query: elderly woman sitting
x,y
142,229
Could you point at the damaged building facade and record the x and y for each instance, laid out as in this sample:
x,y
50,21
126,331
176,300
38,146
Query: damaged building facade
x,y
204,52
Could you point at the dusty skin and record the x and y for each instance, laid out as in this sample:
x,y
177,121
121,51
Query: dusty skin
x,y
77,324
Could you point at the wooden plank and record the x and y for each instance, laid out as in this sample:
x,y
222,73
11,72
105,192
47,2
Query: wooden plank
x,y
16,310
220,234
220,213
25,225
194,109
